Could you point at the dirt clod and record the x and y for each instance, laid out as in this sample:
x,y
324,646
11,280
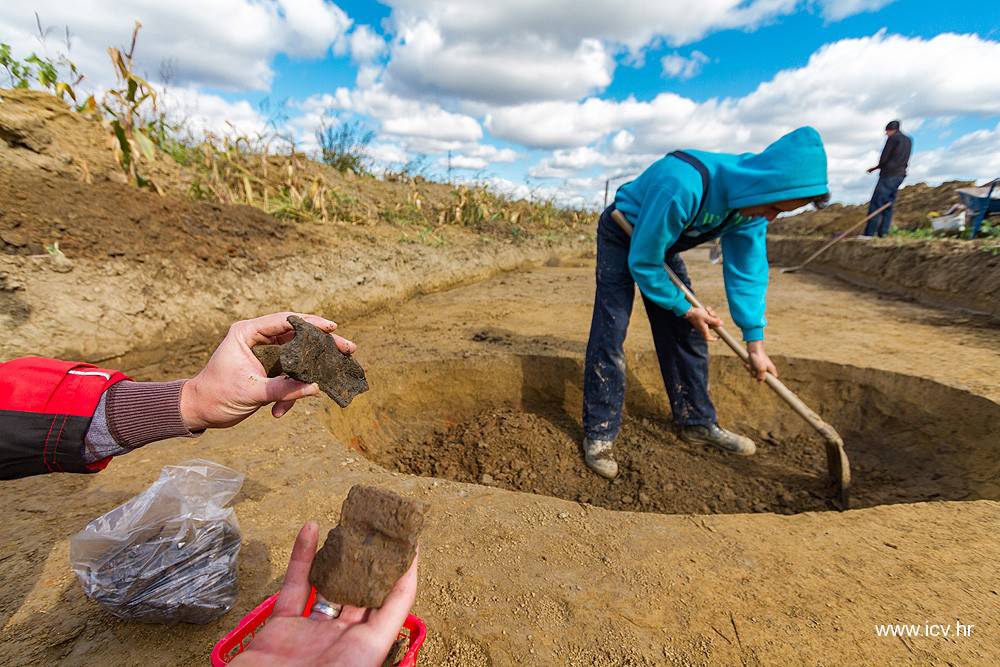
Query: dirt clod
x,y
371,548
312,356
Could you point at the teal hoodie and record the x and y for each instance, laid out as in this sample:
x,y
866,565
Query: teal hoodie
x,y
662,202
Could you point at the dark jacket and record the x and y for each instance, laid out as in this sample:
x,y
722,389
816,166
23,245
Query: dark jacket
x,y
895,155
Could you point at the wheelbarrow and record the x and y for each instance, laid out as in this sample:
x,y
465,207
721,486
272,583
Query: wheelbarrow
x,y
981,201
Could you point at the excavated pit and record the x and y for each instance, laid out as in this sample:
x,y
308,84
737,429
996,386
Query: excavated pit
x,y
513,422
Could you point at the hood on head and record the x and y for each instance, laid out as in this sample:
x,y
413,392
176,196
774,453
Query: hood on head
x,y
793,167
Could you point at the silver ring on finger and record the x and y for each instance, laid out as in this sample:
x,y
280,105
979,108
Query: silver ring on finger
x,y
330,610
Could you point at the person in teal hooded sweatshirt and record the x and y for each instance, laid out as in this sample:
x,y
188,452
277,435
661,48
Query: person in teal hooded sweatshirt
x,y
683,200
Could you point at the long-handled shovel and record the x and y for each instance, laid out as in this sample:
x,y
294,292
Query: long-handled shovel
x,y
844,235
836,458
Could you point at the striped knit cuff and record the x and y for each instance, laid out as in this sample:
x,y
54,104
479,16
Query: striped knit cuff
x,y
143,412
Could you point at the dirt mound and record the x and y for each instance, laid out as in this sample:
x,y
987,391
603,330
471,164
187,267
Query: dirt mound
x,y
539,453
40,131
909,212
115,220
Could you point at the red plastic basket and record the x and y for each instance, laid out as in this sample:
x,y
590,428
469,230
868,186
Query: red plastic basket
x,y
236,641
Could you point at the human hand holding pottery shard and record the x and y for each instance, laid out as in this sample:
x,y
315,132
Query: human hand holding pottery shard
x,y
313,356
371,548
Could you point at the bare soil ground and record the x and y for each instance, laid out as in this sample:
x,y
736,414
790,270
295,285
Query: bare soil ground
x,y
511,578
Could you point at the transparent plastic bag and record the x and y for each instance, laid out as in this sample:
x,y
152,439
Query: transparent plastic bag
x,y
169,554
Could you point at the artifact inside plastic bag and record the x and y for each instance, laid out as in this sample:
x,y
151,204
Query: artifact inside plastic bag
x,y
169,554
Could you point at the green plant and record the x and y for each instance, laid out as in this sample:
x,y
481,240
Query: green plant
x,y
126,106
345,146
19,73
988,230
43,71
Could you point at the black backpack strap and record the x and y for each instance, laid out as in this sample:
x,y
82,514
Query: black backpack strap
x,y
686,242
702,170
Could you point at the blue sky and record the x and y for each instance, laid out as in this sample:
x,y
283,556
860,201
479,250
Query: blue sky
x,y
553,96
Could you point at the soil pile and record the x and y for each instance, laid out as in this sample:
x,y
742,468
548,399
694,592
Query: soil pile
x,y
539,453
40,131
115,220
909,212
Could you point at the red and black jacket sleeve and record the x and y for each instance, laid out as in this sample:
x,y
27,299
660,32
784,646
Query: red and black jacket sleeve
x,y
46,407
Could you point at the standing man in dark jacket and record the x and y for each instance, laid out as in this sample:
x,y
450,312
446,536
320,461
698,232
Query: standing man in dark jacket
x,y
891,172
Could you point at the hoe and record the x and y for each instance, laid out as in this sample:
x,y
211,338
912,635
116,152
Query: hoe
x,y
836,458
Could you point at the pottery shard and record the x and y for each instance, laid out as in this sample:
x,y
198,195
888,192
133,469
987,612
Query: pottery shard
x,y
269,357
312,356
369,551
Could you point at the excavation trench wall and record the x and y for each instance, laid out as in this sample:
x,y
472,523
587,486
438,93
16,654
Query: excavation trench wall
x,y
150,315
946,273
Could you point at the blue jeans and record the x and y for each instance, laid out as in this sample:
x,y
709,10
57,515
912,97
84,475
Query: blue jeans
x,y
680,349
885,193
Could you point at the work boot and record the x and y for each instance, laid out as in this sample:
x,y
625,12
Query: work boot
x,y
599,457
715,435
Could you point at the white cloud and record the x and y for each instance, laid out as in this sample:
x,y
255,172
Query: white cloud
x,y
622,141
974,156
633,23
222,43
835,10
434,123
566,163
531,73
885,75
493,153
478,157
202,114
528,67
464,162
365,44
399,116
847,90
566,124
677,66
387,153
522,51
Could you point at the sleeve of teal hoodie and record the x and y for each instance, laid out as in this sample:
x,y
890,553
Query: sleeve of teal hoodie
x,y
659,224
744,252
